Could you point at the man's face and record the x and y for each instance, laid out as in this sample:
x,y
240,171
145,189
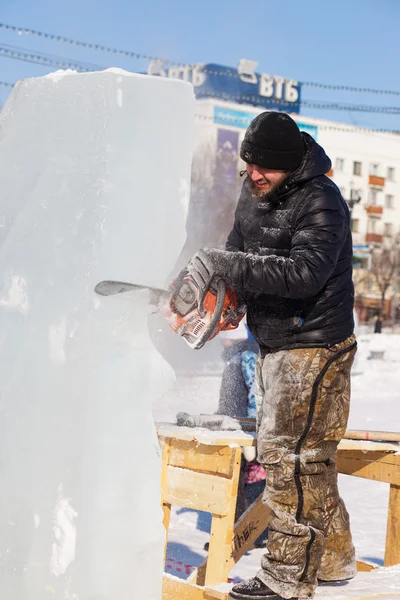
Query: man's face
x,y
263,181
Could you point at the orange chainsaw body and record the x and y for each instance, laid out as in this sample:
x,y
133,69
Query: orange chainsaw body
x,y
219,311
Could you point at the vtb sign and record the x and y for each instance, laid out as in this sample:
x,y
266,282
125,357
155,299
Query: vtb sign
x,y
241,85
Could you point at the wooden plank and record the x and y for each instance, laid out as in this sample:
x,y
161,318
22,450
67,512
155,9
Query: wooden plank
x,y
166,520
370,454
389,596
221,535
165,506
174,588
206,436
378,466
210,594
365,567
249,424
392,549
362,434
246,438
199,491
178,589
248,528
368,446
199,457
216,567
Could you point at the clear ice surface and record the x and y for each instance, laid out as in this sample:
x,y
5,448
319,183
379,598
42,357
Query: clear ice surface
x,y
94,176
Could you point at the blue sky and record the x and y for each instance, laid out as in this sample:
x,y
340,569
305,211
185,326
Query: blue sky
x,y
344,42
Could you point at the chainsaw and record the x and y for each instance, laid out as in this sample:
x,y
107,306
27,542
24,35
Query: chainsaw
x,y
194,318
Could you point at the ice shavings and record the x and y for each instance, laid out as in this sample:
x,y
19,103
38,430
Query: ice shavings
x,y
184,191
64,532
15,295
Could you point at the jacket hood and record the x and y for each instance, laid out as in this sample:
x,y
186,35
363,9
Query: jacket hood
x,y
315,161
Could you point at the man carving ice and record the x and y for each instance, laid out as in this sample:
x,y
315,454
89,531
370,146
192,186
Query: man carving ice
x,y
289,255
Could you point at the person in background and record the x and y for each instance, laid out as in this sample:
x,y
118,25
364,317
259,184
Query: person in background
x,y
237,399
378,324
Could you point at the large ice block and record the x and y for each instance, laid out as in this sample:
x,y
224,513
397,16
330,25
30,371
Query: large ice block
x,y
94,175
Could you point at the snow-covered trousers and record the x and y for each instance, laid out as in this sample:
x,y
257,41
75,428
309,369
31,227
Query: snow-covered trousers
x,y
303,398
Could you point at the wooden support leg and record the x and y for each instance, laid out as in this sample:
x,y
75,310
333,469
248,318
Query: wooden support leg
x,y
392,549
175,589
220,548
247,529
166,520
215,569
165,506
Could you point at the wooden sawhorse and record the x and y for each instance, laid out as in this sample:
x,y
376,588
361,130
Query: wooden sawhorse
x,y
201,471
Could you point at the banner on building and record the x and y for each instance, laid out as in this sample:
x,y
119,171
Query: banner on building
x,y
227,157
242,119
310,129
225,191
234,118
242,85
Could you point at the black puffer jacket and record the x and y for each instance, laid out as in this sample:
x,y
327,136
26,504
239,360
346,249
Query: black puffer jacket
x,y
293,259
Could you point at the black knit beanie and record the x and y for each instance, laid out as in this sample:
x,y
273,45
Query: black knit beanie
x,y
273,141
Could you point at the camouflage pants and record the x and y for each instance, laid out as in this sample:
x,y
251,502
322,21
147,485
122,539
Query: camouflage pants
x,y
303,398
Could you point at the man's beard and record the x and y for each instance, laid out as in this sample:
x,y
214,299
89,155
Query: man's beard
x,y
273,191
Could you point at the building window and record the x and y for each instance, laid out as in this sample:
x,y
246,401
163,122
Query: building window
x,y
388,229
339,164
371,225
356,168
355,225
390,173
374,169
369,284
389,201
355,194
373,198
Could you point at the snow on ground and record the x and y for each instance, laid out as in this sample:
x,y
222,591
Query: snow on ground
x,y
365,585
375,406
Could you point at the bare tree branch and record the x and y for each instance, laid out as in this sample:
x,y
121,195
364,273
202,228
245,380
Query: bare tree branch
x,y
382,269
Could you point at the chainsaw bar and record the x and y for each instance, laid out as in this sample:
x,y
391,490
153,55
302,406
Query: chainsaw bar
x,y
109,287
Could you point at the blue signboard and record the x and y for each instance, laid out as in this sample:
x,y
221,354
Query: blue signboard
x,y
241,85
235,118
249,88
310,129
239,118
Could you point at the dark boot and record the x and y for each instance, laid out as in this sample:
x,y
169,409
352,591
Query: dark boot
x,y
253,589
